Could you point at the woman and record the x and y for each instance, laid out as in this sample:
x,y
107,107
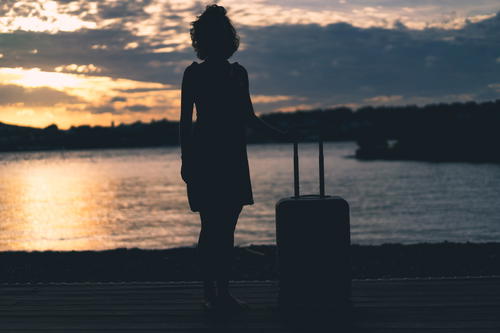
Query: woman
x,y
214,156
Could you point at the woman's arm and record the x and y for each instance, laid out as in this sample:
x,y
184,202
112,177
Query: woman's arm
x,y
186,121
254,120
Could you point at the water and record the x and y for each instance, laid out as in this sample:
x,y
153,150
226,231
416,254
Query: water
x,y
104,199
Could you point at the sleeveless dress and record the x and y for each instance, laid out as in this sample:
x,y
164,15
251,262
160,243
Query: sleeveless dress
x,y
219,162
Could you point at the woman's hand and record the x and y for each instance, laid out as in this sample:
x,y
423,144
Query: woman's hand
x,y
186,173
186,168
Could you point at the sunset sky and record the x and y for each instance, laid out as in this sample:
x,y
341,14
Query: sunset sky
x,y
93,62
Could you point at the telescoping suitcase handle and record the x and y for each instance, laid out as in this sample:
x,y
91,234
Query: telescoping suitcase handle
x,y
296,169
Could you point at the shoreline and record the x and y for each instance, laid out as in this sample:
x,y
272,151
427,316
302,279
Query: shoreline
x,y
255,262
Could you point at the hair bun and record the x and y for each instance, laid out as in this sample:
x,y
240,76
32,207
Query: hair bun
x,y
215,10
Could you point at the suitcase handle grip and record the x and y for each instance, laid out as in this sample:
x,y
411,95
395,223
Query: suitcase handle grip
x,y
321,161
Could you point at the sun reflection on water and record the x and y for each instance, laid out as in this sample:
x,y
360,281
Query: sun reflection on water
x,y
94,200
56,208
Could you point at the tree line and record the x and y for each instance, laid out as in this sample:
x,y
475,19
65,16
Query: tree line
x,y
444,131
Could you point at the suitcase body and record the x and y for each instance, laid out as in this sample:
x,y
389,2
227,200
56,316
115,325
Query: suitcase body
x,y
313,239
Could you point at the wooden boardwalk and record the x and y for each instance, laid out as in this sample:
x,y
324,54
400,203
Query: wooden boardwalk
x,y
420,305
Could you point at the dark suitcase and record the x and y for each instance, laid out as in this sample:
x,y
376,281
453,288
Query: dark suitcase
x,y
313,238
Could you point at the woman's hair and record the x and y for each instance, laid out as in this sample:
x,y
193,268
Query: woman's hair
x,y
213,35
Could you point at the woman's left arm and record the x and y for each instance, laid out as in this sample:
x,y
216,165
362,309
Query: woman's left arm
x,y
186,122
254,120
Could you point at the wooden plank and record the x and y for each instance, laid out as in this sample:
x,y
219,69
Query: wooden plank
x,y
421,305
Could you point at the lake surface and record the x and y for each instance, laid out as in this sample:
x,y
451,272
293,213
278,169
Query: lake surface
x,y
104,199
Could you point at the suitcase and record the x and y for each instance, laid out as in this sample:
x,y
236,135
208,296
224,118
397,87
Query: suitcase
x,y
313,246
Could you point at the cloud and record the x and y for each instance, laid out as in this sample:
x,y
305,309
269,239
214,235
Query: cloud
x,y
337,59
11,94
425,53
153,17
118,99
340,63
90,68
141,90
49,16
98,109
109,108
138,108
264,99
123,9
383,99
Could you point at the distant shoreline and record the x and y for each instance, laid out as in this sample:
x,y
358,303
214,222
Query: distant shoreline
x,y
461,132
255,262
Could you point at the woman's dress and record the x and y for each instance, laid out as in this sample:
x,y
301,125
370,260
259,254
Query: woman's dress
x,y
218,163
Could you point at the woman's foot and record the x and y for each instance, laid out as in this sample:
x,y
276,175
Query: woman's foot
x,y
209,295
209,305
226,301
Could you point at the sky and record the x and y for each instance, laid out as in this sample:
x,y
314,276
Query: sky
x,y
93,62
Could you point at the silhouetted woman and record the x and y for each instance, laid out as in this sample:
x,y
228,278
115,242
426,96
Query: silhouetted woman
x,y
214,156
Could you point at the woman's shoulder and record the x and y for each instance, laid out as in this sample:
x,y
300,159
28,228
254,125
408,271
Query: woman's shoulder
x,y
237,65
191,68
239,68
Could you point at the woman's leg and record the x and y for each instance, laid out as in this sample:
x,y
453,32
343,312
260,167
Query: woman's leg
x,y
226,247
216,246
207,254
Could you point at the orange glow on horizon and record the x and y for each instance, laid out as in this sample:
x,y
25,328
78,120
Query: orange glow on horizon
x,y
85,99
